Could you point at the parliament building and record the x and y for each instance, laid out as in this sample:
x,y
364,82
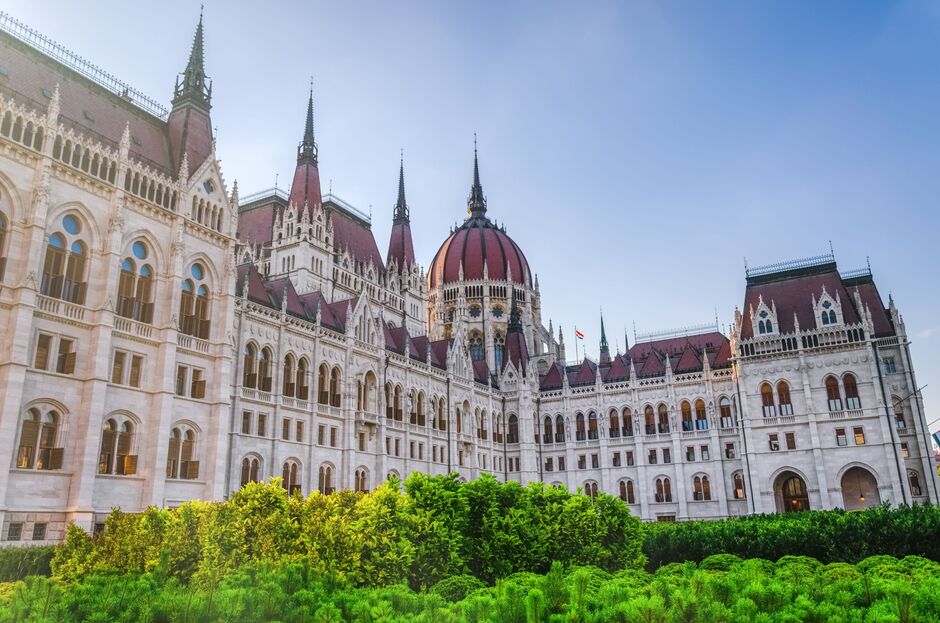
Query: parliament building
x,y
167,339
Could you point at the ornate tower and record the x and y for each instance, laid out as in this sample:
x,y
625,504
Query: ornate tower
x,y
305,188
401,251
190,128
605,347
405,276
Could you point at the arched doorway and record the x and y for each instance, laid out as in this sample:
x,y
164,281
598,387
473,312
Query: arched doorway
x,y
859,489
790,493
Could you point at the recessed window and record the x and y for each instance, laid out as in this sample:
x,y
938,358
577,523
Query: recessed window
x,y
774,442
497,312
39,532
207,185
859,434
15,531
46,92
475,311
4,71
140,250
840,437
197,271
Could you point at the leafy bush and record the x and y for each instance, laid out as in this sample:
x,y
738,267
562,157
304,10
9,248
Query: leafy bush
x,y
18,562
828,536
433,528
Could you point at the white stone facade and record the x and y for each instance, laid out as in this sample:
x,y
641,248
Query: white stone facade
x,y
123,383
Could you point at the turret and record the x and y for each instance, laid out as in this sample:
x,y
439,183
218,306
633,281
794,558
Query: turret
x,y
400,246
305,187
190,128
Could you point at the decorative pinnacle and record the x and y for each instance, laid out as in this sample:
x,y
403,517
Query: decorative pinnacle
x,y
605,347
194,85
476,203
401,206
308,146
515,322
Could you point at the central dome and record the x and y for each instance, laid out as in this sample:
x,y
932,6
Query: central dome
x,y
479,246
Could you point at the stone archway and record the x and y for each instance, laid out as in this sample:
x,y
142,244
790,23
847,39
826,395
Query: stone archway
x,y
859,489
790,493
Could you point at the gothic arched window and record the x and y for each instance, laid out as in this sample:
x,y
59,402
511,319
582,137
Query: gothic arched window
x,y
63,272
194,303
38,435
135,286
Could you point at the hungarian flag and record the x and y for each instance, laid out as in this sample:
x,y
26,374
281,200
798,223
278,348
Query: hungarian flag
x,y
578,334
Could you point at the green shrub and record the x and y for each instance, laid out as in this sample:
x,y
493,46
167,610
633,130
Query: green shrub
x,y
727,591
828,536
17,563
457,587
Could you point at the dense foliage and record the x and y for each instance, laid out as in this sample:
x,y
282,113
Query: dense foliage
x,y
431,529
722,589
18,562
829,536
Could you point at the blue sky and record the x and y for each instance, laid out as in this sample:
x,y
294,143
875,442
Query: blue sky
x,y
637,151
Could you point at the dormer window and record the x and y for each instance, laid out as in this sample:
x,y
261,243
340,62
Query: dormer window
x,y
827,315
764,318
764,324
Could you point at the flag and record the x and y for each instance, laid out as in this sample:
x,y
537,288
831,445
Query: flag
x,y
578,334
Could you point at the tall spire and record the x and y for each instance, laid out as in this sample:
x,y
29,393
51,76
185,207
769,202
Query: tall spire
x,y
193,88
476,203
605,347
305,187
308,146
401,206
401,249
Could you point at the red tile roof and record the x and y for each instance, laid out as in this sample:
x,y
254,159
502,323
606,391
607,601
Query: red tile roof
x,y
517,351
305,187
400,246
29,71
792,293
553,378
618,370
583,374
689,361
353,234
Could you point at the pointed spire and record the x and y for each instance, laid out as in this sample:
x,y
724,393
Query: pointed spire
x,y
476,203
193,88
605,347
307,150
401,206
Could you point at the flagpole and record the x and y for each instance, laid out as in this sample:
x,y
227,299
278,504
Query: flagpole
x,y
576,357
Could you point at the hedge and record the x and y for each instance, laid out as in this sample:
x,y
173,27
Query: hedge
x,y
18,562
828,536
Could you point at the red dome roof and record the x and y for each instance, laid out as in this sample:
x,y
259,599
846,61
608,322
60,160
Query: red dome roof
x,y
478,243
